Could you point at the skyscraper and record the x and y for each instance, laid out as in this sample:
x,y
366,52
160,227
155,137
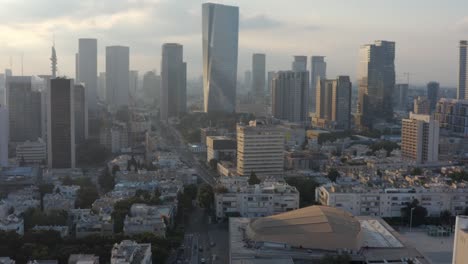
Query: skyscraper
x,y
87,70
270,74
421,106
260,149
61,124
117,76
420,139
81,113
133,83
102,86
24,108
299,64
333,103
151,87
290,96
318,70
258,76
400,96
173,81
376,81
462,92
4,131
220,27
432,94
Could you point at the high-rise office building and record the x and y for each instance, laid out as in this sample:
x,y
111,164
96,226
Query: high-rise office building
x,y
462,92
260,149
4,131
173,81
24,108
270,74
117,77
81,113
258,76
333,106
432,94
376,81
460,241
220,27
421,106
420,139
299,64
87,70
318,70
102,86
290,96
133,83
61,124
452,115
248,80
400,96
151,87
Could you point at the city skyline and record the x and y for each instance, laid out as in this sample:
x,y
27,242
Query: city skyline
x,y
340,41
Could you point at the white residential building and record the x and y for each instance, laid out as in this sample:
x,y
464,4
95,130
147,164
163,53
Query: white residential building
x,y
32,152
148,219
131,252
387,202
12,223
236,197
420,139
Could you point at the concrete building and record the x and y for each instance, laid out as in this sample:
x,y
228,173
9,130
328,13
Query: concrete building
x,y
452,115
259,149
87,70
81,113
333,103
102,86
115,138
387,202
460,244
133,83
62,230
83,259
12,223
149,219
376,81
400,97
267,198
318,71
173,81
258,76
24,109
290,96
87,223
151,88
299,64
220,148
270,76
220,30
32,152
462,89
433,94
4,137
57,201
131,252
117,77
61,124
420,139
421,106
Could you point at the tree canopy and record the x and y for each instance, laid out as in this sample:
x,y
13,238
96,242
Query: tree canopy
x,y
419,213
253,179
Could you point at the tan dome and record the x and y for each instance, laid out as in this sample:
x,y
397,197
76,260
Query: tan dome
x,y
314,227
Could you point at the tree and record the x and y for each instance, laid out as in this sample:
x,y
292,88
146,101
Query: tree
x,y
253,179
419,213
446,217
333,174
106,180
338,259
416,171
306,188
86,196
205,196
115,169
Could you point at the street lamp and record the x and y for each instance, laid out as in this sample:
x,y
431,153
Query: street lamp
x,y
411,219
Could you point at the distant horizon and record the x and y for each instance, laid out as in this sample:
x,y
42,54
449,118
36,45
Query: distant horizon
x,y
426,38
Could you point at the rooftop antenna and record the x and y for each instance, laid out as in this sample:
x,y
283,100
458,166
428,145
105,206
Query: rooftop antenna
x,y
22,63
53,59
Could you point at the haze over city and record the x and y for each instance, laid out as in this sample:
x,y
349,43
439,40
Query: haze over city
x,y
426,32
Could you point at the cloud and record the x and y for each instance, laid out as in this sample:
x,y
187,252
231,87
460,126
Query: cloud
x,y
259,22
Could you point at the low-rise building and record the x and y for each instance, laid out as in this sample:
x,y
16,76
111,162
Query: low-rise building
x,y
68,191
32,152
86,223
12,223
387,202
6,260
149,219
57,201
220,148
83,259
16,178
303,160
131,252
267,198
460,244
226,168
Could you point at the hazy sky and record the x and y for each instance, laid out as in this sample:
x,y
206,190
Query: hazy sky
x,y
426,32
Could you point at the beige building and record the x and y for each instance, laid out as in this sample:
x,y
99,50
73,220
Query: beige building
x,y
421,106
333,103
260,149
460,243
420,139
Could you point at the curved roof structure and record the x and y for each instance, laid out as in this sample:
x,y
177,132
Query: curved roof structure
x,y
313,227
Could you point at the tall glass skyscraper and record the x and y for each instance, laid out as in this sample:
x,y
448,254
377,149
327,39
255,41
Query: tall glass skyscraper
x,y
376,80
258,76
220,26
87,70
117,75
462,71
318,70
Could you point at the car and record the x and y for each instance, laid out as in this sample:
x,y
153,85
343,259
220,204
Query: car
x,y
202,260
